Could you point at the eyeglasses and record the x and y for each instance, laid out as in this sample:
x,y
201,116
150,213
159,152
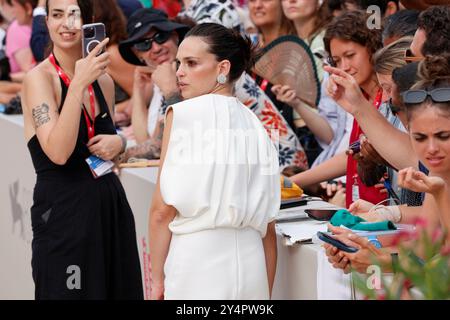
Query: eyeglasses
x,y
146,44
394,109
419,96
409,57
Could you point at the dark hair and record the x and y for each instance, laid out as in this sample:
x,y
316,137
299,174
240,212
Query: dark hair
x,y
406,76
33,3
109,13
86,8
352,26
382,4
434,72
226,44
435,21
400,24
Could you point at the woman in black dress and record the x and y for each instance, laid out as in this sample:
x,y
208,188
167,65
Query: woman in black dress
x,y
84,239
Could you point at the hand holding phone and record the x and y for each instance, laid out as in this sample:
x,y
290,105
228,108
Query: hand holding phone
x,y
92,35
335,242
89,69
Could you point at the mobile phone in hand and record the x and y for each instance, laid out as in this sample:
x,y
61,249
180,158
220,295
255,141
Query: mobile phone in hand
x,y
336,243
92,34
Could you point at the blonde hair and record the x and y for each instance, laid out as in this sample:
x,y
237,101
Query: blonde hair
x,y
392,56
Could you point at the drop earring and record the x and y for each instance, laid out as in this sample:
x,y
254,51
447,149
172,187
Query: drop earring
x,y
221,78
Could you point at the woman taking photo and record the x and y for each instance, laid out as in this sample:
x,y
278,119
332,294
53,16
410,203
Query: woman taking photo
x,y
84,240
211,226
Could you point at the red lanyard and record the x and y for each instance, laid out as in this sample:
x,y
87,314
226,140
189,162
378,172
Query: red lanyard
x,y
90,125
377,100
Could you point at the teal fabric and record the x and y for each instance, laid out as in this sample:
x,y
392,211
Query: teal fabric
x,y
345,218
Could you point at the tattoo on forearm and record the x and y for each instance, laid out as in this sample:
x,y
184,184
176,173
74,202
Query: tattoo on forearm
x,y
150,149
41,115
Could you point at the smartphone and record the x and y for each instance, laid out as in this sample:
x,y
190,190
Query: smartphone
x,y
92,35
336,243
291,203
320,214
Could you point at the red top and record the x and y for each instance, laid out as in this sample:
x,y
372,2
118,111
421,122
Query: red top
x,y
370,194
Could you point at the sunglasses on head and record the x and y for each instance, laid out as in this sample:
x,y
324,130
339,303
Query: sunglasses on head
x,y
419,96
394,109
409,57
146,44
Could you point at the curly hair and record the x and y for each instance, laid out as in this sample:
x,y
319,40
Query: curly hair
x,y
352,26
435,21
434,73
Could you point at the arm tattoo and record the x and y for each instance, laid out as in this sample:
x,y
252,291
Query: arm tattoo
x,y
41,115
150,149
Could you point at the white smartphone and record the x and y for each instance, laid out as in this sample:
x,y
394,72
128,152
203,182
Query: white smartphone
x,y
92,35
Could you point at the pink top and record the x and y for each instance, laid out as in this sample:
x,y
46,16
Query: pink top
x,y
17,38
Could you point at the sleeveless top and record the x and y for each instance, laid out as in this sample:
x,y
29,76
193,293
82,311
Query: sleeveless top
x,y
221,168
76,166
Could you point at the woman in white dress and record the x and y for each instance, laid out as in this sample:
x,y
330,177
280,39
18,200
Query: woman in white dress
x,y
211,228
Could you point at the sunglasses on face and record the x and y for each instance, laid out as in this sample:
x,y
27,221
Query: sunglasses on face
x,y
394,109
419,96
146,44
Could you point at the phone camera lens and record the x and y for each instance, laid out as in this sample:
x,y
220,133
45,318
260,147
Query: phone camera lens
x,y
89,32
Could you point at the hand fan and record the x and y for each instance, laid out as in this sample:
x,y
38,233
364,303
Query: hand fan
x,y
288,60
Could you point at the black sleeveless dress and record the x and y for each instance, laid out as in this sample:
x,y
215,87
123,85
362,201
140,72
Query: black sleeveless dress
x,y
84,237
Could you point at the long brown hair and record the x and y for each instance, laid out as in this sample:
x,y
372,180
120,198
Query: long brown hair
x,y
108,12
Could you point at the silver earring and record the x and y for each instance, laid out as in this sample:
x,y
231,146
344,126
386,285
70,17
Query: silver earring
x,y
221,78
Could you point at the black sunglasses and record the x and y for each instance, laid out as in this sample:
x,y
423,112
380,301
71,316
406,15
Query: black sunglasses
x,y
146,44
394,109
419,96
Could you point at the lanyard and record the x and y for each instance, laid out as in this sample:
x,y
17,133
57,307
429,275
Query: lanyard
x,y
90,124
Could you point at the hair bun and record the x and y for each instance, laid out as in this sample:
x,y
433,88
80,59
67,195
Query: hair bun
x,y
435,67
247,48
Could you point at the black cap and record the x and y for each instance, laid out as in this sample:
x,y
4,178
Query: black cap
x,y
140,23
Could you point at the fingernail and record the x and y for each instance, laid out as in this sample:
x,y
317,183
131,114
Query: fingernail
x,y
350,235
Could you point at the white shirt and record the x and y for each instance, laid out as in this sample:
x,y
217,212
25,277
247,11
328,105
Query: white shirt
x,y
221,168
153,110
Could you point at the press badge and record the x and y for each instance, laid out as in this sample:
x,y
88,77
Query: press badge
x,y
99,167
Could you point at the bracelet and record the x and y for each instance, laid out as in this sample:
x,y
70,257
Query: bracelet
x,y
173,98
124,143
391,213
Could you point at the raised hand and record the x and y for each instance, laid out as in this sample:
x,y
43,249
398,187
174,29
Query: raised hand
x,y
165,78
89,69
285,94
417,181
344,89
